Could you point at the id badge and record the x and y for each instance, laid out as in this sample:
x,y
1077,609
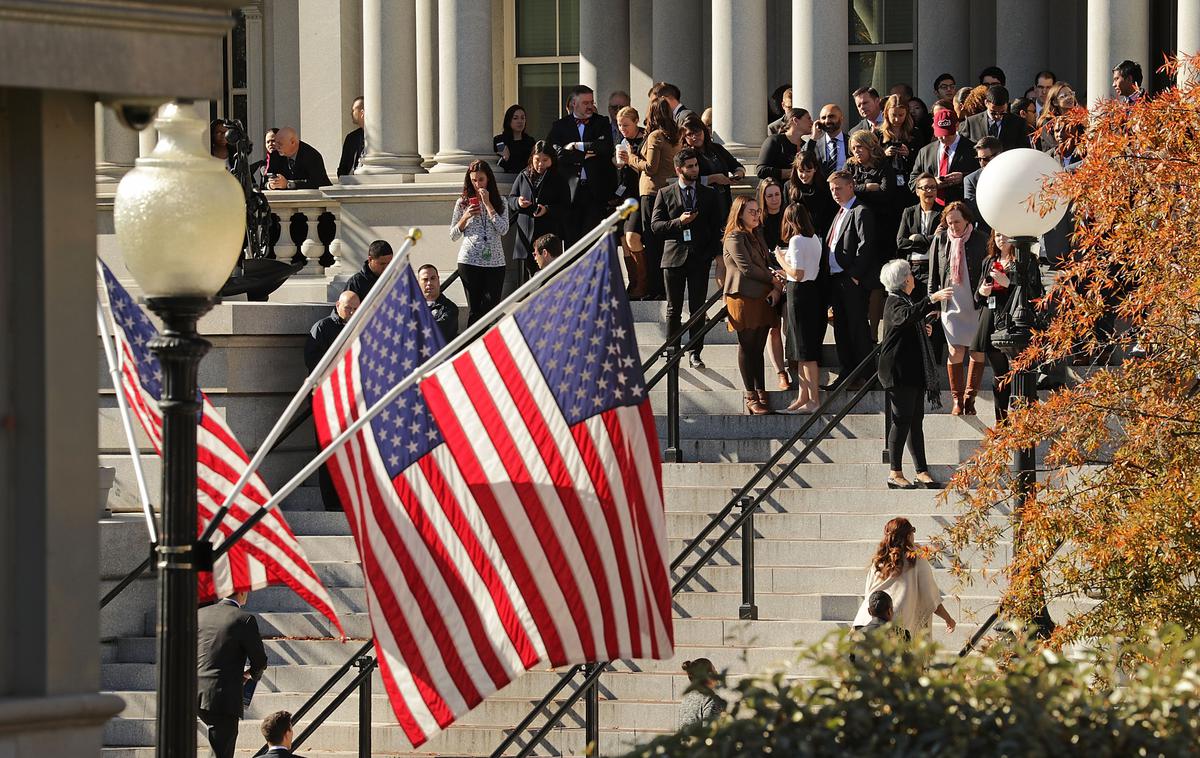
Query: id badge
x,y
687,235
991,302
620,190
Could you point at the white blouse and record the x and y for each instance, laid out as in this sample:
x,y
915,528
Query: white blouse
x,y
804,253
915,596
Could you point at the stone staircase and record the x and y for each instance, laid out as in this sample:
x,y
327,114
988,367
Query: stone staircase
x,y
814,537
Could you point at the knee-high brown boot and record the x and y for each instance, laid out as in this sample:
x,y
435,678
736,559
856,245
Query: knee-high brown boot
x,y
1001,395
637,277
955,372
974,378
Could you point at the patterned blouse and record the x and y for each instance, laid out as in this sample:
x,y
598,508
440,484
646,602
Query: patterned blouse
x,y
481,241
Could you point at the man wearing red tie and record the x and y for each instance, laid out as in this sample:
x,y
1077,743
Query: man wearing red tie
x,y
583,142
949,158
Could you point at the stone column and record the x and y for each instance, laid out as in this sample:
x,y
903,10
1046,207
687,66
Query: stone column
x,y
427,77
675,51
739,74
820,55
255,97
1187,19
330,74
390,117
604,47
1022,41
1116,30
942,40
116,148
641,60
464,84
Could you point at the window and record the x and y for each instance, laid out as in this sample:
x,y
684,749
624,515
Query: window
x,y
236,102
543,48
881,44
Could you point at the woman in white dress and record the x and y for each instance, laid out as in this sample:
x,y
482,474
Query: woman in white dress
x,y
908,578
956,261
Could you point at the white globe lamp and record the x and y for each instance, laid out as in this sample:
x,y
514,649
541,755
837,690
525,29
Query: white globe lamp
x,y
1010,193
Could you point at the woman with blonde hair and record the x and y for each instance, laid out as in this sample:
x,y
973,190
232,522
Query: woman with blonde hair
x,y
751,292
874,187
898,137
898,570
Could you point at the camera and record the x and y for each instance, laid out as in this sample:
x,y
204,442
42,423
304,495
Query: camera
x,y
136,113
235,136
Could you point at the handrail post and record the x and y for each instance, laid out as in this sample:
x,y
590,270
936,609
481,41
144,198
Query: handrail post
x,y
367,663
673,454
887,424
748,610
591,710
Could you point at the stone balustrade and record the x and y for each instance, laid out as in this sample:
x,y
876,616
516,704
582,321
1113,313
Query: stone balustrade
x,y
304,228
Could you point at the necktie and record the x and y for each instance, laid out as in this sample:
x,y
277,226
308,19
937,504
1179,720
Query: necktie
x,y
833,229
944,163
580,121
994,128
831,152
689,200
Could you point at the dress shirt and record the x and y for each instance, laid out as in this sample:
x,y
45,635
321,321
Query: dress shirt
x,y
580,125
948,152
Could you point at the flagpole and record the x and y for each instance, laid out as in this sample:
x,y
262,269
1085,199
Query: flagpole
x,y
365,310
509,305
114,372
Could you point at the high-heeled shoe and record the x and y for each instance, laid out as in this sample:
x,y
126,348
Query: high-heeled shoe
x,y
925,481
899,483
785,380
764,400
754,407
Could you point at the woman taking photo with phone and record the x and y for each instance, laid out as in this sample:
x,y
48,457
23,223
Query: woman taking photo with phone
x,y
477,222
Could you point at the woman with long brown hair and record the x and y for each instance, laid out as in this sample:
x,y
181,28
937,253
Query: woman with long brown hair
x,y
956,261
656,162
480,219
1059,100
751,292
898,570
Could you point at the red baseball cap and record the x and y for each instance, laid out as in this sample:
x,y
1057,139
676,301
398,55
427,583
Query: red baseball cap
x,y
945,123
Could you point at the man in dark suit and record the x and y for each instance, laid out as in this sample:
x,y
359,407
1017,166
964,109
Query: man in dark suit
x,y
670,93
832,146
687,217
227,639
295,164
996,121
583,143
985,150
870,107
882,610
949,158
846,269
354,145
277,731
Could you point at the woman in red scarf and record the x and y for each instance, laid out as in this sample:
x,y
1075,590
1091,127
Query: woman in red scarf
x,y
956,261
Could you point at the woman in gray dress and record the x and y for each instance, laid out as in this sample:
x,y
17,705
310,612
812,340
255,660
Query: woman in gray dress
x,y
956,261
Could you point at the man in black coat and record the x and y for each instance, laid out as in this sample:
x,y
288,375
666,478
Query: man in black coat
x,y
379,255
687,217
277,731
354,145
847,268
948,159
583,143
295,164
996,121
227,640
444,311
323,333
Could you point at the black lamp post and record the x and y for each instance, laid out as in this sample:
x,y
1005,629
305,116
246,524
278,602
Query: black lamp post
x,y
1004,195
179,218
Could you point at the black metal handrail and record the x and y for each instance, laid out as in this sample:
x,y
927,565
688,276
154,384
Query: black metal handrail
x,y
700,314
148,564
741,523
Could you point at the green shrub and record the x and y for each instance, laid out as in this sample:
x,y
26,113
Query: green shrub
x,y
1013,699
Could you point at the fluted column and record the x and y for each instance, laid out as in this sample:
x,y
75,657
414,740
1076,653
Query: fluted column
x,y
1187,18
390,88
739,74
1116,30
464,83
427,77
675,50
641,60
604,47
331,58
1022,41
116,147
942,45
820,54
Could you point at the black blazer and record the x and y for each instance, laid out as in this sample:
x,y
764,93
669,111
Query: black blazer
x,y
352,152
912,222
307,170
518,152
227,638
1014,132
939,260
927,162
551,192
854,247
597,137
705,229
775,155
900,361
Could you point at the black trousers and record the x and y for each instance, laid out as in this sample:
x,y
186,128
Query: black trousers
x,y
907,408
652,250
850,332
483,285
586,212
222,732
692,275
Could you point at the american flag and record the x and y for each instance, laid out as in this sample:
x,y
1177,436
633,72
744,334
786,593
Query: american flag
x,y
508,507
269,553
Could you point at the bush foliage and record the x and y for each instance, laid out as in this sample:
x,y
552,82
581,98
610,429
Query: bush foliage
x,y
1013,699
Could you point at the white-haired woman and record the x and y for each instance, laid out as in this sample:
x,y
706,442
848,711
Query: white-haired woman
x,y
908,369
